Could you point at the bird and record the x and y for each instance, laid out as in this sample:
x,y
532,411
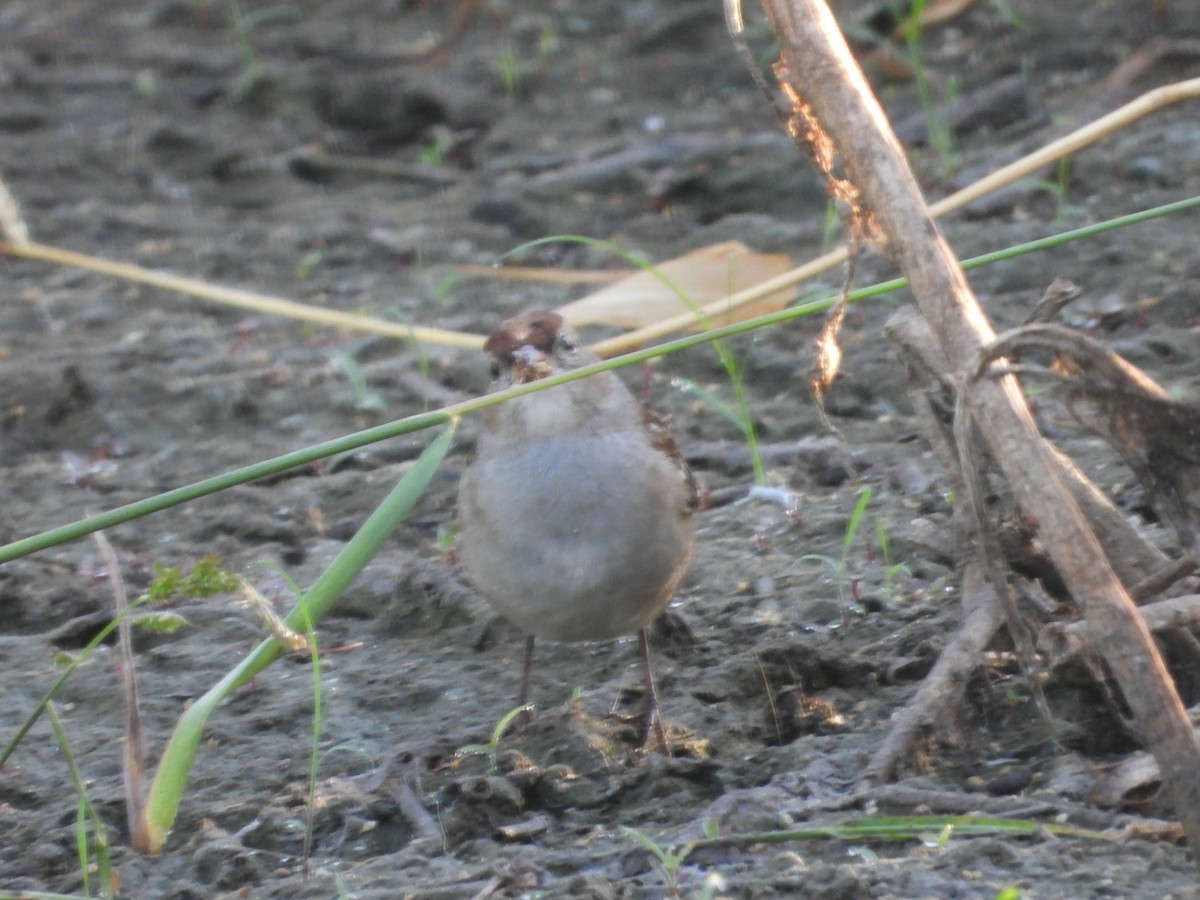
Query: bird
x,y
576,513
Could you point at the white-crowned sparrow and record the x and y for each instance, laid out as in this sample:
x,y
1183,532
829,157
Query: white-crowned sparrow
x,y
576,514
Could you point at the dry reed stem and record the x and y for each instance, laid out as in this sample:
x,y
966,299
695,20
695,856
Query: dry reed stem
x,y
250,300
133,749
17,244
1150,102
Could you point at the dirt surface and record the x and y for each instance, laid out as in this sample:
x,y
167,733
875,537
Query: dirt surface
x,y
148,132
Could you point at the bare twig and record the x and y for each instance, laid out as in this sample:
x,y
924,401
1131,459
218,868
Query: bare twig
x,y
133,752
943,686
820,67
251,300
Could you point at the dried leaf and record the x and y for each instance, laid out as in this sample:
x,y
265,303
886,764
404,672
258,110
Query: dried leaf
x,y
703,276
542,274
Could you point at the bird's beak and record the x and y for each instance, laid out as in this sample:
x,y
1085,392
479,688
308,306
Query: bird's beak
x,y
530,364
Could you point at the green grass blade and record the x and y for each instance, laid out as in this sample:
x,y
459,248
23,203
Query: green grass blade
x,y
913,828
219,483
860,508
84,814
140,508
162,803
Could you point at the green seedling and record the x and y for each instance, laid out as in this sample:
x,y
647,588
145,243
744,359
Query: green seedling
x,y
666,861
891,569
444,289
492,748
841,566
254,74
206,579
1008,16
86,818
159,622
940,839
731,414
548,41
447,536
309,263
575,703
364,398
1057,189
508,67
941,135
435,153
830,226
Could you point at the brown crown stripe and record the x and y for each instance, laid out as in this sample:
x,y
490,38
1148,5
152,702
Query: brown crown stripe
x,y
534,329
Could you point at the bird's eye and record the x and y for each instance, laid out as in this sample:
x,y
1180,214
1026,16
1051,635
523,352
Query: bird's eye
x,y
567,343
494,368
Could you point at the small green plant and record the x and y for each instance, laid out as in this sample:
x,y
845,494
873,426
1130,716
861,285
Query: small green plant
x,y
434,154
830,226
891,569
508,67
548,41
841,566
86,819
1005,11
204,580
444,289
253,73
161,621
492,748
940,839
145,85
309,263
1057,188
666,861
447,536
364,398
737,415
941,134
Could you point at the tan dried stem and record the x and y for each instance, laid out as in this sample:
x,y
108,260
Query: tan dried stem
x,y
12,224
248,300
1095,131
133,752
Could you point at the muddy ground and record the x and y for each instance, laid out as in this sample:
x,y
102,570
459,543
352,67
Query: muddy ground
x,y
160,133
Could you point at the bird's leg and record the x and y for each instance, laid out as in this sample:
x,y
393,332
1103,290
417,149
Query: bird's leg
x,y
526,672
654,736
